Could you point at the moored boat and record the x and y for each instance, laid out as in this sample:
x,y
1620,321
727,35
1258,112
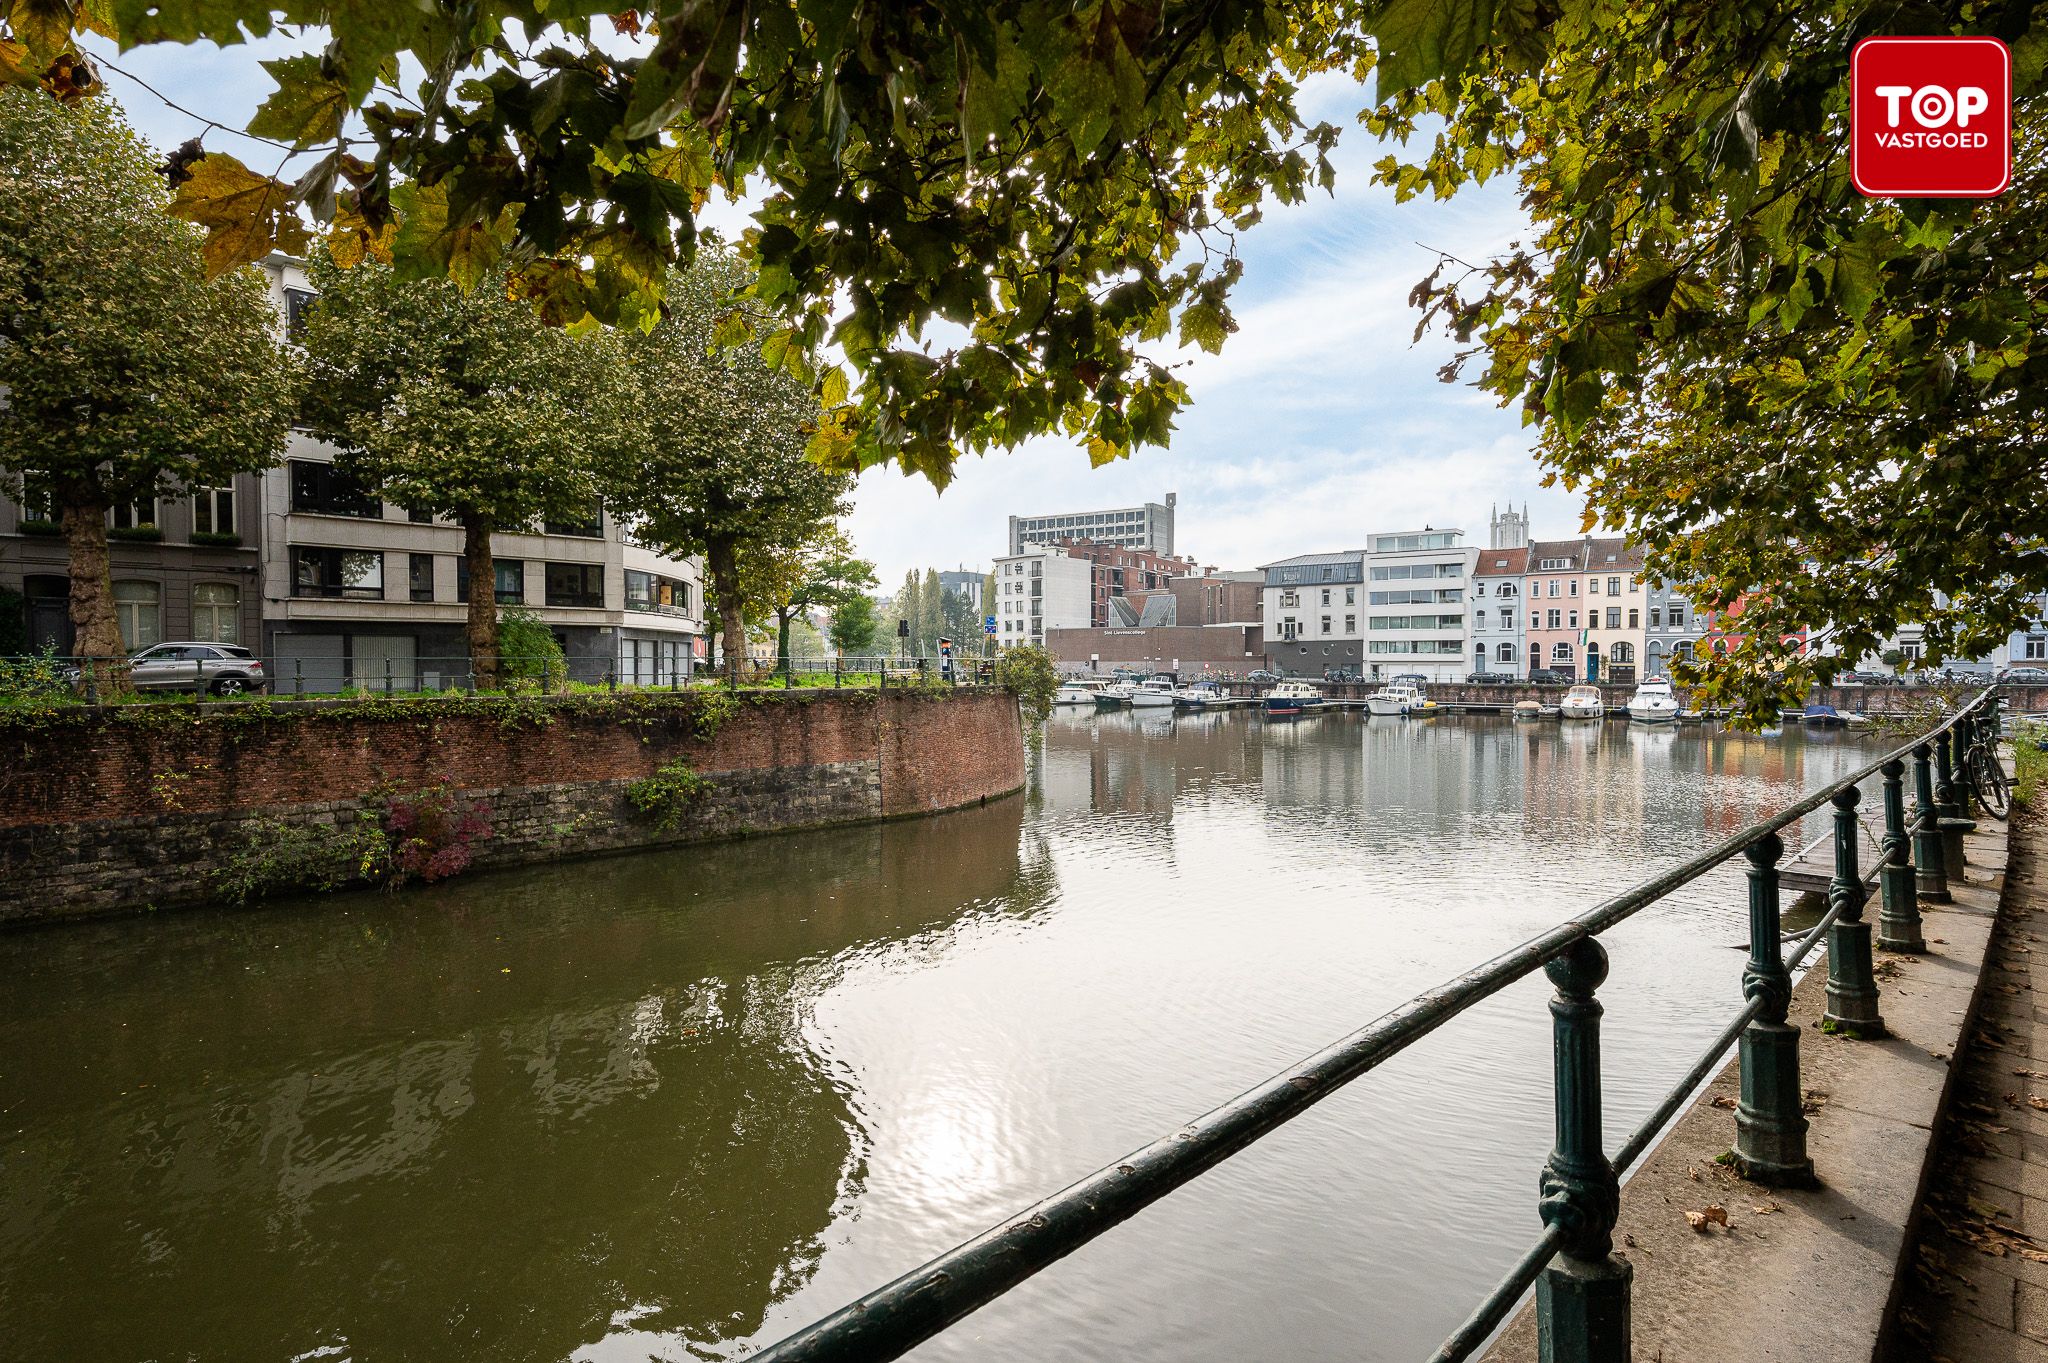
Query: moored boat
x,y
1398,698
1653,702
1582,702
1293,697
1200,696
1113,695
1824,716
1077,691
1528,709
1156,691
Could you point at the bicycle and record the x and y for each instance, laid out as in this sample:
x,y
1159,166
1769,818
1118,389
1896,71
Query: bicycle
x,y
1986,776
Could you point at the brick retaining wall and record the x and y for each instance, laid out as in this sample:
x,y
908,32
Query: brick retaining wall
x,y
138,807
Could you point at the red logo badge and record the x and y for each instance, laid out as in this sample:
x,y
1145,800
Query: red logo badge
x,y
1930,118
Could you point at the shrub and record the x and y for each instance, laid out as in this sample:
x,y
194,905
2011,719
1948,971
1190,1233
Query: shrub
x,y
2029,764
283,856
668,794
1027,672
529,656
431,835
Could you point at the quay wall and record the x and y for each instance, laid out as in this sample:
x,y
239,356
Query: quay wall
x,y
2019,699
116,809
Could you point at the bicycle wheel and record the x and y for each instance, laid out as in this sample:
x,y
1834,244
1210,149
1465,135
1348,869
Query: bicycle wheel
x,y
1988,781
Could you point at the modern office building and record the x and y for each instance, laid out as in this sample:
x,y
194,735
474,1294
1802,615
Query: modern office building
x,y
1418,583
355,590
1148,527
1313,609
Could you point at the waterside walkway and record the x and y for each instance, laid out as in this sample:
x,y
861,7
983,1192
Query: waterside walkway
x,y
1978,1290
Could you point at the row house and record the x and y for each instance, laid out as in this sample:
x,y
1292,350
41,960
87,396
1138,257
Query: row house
x,y
1586,606
1313,612
1498,617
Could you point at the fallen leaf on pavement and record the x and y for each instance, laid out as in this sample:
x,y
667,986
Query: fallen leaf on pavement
x,y
1713,1215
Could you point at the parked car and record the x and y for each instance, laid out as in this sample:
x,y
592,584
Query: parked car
x,y
1544,676
223,669
1262,677
1339,674
1488,678
2028,676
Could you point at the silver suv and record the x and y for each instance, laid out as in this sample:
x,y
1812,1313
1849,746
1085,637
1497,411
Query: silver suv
x,y
223,669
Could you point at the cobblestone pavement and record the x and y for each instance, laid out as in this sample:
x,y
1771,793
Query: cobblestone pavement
x,y
1978,1292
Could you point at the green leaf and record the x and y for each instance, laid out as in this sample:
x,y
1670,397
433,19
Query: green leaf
x,y
1425,40
306,108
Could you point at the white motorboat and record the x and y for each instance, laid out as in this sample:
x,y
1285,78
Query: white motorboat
x,y
1399,698
1077,691
1156,691
1654,702
1528,709
1582,702
1200,696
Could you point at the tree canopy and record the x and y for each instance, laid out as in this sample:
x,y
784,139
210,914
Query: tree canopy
x,y
464,405
126,372
716,463
1821,409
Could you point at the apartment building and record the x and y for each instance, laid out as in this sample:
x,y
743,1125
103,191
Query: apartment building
x,y
1148,526
1039,590
1313,613
185,566
1418,584
355,590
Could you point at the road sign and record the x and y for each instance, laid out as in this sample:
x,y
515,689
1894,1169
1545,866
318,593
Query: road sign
x,y
988,624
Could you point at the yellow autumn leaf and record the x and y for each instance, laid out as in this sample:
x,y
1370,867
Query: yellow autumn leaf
x,y
246,215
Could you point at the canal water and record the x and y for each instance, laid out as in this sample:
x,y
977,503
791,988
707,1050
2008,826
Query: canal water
x,y
673,1105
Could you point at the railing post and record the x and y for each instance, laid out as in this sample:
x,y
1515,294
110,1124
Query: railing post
x,y
1582,1299
1852,985
298,679
1929,876
387,678
1770,1120
1898,922
1951,800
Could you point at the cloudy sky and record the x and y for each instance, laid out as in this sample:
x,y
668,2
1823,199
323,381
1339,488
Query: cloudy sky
x,y
1318,422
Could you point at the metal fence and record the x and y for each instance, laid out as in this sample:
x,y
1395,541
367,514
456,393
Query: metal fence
x,y
303,678
1583,1294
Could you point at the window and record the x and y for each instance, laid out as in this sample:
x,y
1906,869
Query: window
x,y
1550,565
1326,624
1556,621
1351,596
1290,600
1561,653
1621,653
1656,617
1572,619
1504,653
213,512
640,592
1351,627
511,583
139,609
1682,649
1575,587
2037,646
1479,619
574,584
419,517
1507,618
296,304
324,489
1614,586
1634,617
217,612
419,575
1614,617
1326,594
1553,586
590,526
1677,616
337,572
135,515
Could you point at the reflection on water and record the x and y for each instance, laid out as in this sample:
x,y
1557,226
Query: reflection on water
x,y
673,1105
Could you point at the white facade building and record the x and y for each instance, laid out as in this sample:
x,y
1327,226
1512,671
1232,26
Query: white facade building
x,y
1149,527
356,590
1039,590
1419,585
1314,613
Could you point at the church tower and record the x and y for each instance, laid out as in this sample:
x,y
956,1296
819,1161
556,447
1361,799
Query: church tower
x,y
1509,529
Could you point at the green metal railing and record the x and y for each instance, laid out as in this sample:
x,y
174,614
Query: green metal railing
x,y
1582,1296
